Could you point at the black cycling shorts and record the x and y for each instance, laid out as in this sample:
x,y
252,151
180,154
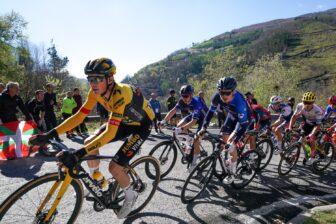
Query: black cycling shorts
x,y
136,135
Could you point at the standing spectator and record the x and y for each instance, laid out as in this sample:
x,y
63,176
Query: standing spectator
x,y
291,102
80,129
36,108
249,96
2,87
103,113
68,105
155,104
201,96
49,103
171,103
9,101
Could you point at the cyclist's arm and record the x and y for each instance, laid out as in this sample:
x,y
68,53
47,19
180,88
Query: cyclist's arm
x,y
211,111
293,120
78,117
189,124
242,119
170,114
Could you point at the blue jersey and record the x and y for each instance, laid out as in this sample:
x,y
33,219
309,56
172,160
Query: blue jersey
x,y
155,104
238,109
329,112
196,107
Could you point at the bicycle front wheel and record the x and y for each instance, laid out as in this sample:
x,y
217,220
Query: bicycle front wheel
x,y
166,153
207,146
324,157
265,149
247,166
23,204
289,159
197,180
144,185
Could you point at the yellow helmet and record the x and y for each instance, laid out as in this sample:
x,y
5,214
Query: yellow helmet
x,y
309,97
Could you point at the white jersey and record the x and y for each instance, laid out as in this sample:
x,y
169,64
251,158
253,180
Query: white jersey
x,y
312,117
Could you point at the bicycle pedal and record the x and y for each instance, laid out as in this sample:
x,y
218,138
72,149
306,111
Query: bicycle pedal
x,y
114,206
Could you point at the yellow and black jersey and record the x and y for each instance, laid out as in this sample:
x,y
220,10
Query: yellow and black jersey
x,y
126,105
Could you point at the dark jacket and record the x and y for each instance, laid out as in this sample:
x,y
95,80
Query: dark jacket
x,y
8,107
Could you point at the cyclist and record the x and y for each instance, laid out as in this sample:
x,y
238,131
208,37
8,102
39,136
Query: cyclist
x,y
131,116
285,113
196,109
262,117
312,119
330,111
237,121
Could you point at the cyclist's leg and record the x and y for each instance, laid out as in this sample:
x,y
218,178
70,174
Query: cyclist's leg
x,y
278,132
228,132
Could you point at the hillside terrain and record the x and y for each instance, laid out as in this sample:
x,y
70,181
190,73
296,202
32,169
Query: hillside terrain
x,y
285,57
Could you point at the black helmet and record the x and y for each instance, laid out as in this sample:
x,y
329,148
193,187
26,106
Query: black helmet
x,y
186,89
291,98
102,66
227,83
171,91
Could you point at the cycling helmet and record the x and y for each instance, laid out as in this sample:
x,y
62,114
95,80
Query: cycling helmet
x,y
227,83
332,100
275,99
309,97
186,89
102,66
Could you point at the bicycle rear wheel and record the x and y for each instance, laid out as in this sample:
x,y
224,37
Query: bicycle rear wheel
x,y
144,185
22,205
324,157
197,180
289,159
247,166
166,153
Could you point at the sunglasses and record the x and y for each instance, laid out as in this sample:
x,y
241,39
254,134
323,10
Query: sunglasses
x,y
185,96
307,103
95,79
225,93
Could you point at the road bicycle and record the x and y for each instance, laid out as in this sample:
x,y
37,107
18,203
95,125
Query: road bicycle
x,y
323,156
216,165
57,197
166,151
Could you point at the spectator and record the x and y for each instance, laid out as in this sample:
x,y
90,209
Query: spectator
x,y
201,96
249,96
2,87
36,108
171,102
80,129
155,104
68,105
49,103
9,101
291,102
103,113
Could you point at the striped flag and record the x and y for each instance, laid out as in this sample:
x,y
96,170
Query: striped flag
x,y
14,138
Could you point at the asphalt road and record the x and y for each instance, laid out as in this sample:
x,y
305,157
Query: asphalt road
x,y
166,205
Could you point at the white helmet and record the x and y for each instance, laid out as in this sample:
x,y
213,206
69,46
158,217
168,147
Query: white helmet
x,y
275,99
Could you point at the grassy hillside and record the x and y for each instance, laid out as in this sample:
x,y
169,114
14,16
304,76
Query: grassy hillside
x,y
286,57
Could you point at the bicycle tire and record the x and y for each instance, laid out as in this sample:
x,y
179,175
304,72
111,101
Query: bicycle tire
x,y
18,196
290,156
268,155
207,162
326,146
248,163
167,147
207,146
118,194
